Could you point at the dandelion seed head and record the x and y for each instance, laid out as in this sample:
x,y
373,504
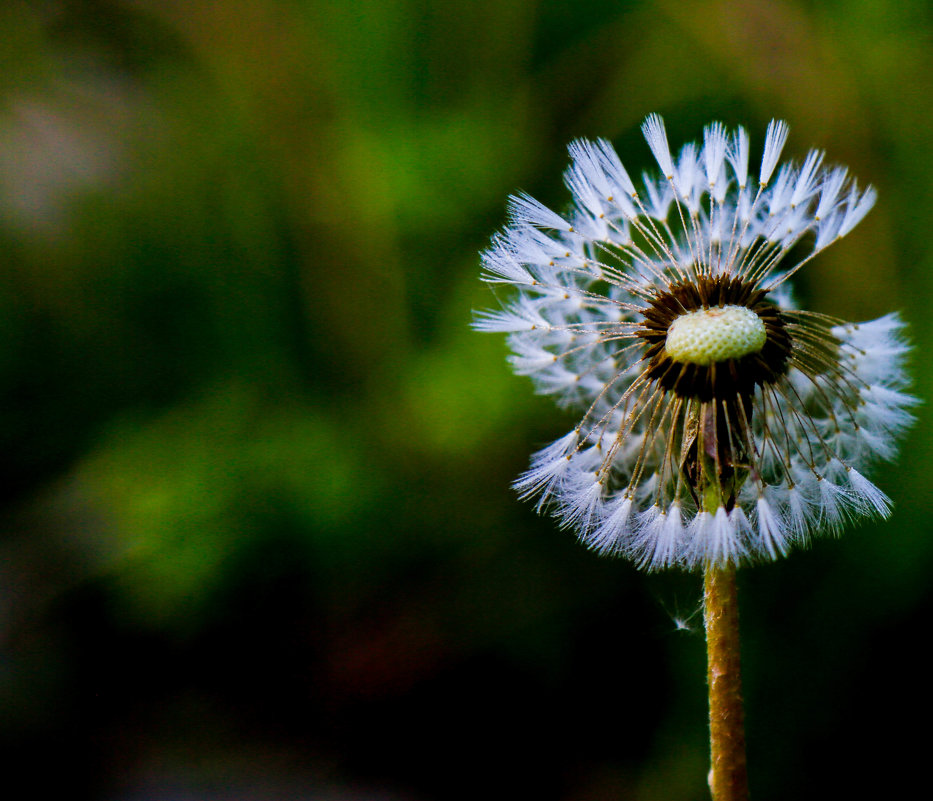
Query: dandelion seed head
x,y
719,423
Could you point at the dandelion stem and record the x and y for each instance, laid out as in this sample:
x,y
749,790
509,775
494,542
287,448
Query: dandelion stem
x,y
728,779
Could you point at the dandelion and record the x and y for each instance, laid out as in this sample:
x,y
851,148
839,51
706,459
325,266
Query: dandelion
x,y
721,424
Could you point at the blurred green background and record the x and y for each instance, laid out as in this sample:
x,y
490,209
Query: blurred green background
x,y
257,537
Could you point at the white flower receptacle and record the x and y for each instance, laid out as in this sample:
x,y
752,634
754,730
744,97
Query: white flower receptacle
x,y
708,336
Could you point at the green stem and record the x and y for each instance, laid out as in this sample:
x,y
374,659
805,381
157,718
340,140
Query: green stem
x,y
728,779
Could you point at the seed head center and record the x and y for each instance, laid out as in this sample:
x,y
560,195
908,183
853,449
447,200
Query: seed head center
x,y
707,336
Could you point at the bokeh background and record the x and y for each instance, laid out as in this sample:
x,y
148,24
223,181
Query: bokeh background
x,y
257,539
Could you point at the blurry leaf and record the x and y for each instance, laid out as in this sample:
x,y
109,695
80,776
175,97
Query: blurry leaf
x,y
177,497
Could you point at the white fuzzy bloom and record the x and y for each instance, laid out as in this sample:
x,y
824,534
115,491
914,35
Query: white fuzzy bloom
x,y
656,136
720,424
738,157
775,138
715,142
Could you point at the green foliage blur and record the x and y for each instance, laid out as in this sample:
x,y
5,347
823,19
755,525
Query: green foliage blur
x,y
258,539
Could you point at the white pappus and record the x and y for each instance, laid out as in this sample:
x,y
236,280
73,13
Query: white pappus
x,y
720,424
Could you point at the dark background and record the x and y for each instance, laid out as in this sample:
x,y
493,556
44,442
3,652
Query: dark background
x,y
257,537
